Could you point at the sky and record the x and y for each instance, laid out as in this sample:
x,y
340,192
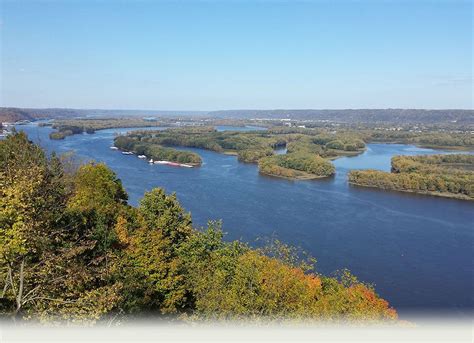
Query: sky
x,y
212,55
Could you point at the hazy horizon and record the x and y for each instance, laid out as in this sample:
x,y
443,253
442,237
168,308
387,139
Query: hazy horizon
x,y
206,56
237,109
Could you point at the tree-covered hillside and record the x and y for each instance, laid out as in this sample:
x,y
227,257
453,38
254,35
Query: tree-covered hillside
x,y
71,248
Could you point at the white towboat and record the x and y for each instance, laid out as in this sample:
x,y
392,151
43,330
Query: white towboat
x,y
150,161
173,164
113,148
127,152
141,156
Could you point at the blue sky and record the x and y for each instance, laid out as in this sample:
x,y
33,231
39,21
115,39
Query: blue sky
x,y
207,55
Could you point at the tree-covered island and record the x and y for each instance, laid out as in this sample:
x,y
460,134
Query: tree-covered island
x,y
441,175
308,154
157,152
69,127
443,137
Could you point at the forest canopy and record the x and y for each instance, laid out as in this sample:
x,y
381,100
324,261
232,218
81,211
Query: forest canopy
x,y
296,165
307,154
441,175
156,152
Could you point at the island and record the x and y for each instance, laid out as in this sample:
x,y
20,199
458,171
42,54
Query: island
x,y
449,176
432,139
308,152
156,153
452,135
296,166
69,127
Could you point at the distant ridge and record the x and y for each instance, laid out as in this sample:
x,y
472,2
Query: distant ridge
x,y
358,115
12,114
350,116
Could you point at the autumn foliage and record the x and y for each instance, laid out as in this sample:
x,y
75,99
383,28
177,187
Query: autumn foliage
x,y
71,248
441,175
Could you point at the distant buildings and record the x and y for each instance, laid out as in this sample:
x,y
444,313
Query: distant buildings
x,y
4,130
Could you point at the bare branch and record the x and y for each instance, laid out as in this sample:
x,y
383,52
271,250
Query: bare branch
x,y
20,289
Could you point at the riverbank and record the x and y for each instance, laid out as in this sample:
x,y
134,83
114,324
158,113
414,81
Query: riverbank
x,y
157,152
445,175
436,194
300,177
425,146
343,153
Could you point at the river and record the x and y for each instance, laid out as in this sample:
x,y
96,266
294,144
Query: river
x,y
417,250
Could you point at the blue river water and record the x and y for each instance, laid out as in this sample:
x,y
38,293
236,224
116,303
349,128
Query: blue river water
x,y
417,250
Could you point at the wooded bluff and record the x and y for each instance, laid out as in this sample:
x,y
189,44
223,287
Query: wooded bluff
x,y
71,248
